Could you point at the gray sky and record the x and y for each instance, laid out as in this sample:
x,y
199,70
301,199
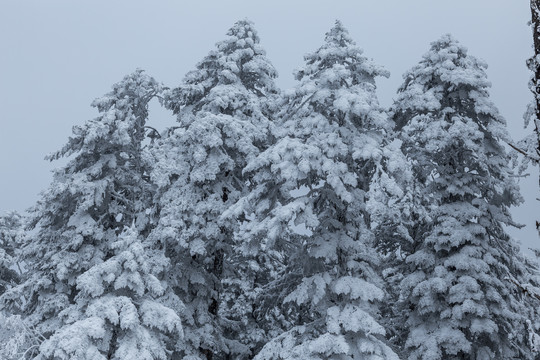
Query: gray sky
x,y
57,56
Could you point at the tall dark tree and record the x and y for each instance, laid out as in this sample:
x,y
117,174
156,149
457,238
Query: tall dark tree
x,y
530,146
534,65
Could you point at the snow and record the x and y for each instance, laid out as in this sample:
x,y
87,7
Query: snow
x,y
307,224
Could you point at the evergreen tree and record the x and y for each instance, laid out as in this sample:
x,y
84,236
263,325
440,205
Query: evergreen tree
x,y
93,289
316,177
15,335
398,215
528,284
11,230
224,109
458,301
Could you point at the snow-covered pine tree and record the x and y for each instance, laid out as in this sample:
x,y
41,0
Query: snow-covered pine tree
x,y
455,291
11,230
119,313
16,336
93,289
528,283
316,176
397,216
223,109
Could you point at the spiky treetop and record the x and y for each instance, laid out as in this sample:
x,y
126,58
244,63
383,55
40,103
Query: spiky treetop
x,y
235,80
239,60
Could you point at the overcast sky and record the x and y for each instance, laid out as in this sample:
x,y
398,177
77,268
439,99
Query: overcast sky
x,y
57,56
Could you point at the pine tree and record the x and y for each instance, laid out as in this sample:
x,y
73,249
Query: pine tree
x,y
15,335
224,110
316,177
11,230
458,301
398,215
93,288
120,314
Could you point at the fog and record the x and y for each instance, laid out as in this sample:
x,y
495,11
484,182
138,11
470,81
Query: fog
x,y
57,56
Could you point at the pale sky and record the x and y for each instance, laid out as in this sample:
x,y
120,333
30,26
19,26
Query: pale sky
x,y
57,56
